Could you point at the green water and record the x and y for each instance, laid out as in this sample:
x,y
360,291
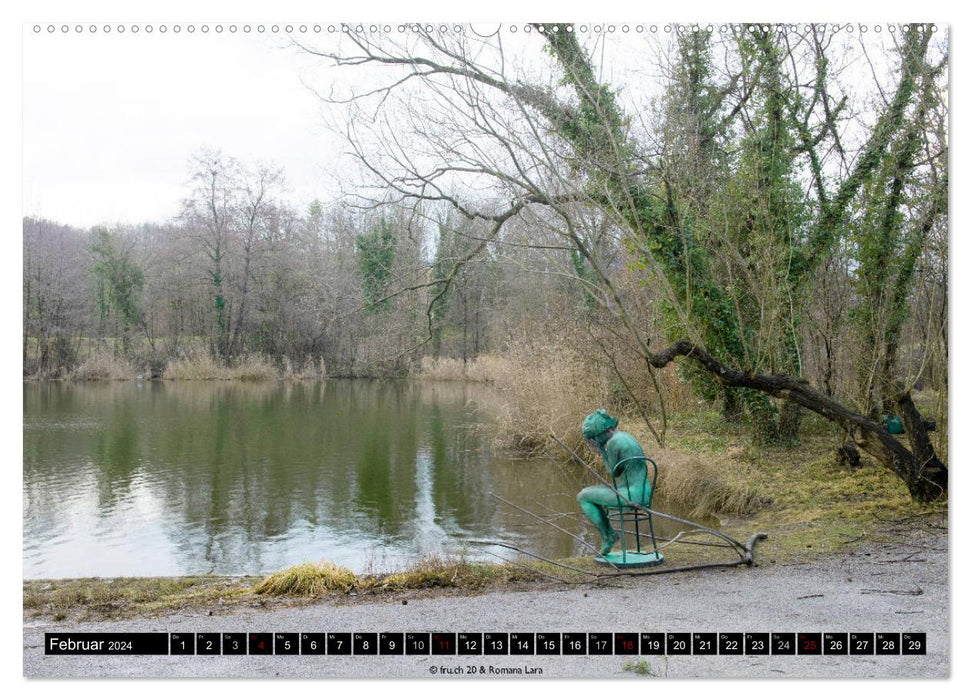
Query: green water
x,y
170,478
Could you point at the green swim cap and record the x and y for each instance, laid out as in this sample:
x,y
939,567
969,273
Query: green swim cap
x,y
598,423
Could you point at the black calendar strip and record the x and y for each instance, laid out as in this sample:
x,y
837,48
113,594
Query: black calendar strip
x,y
488,643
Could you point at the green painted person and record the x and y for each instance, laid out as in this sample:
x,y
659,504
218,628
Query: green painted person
x,y
619,451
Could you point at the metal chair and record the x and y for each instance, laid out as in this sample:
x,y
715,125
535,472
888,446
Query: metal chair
x,y
623,516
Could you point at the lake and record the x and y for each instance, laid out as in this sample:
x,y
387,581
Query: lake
x,y
185,478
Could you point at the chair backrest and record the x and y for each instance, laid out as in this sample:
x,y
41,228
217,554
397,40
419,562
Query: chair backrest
x,y
649,473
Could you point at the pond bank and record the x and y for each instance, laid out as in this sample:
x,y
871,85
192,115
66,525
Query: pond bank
x,y
107,599
897,584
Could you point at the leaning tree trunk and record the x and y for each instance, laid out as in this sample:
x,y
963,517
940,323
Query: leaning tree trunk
x,y
919,468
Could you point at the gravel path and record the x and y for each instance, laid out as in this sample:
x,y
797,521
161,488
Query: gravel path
x,y
881,588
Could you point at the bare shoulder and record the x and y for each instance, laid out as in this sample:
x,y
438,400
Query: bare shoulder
x,y
623,443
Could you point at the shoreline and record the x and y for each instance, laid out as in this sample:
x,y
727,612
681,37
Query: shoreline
x,y
125,598
895,584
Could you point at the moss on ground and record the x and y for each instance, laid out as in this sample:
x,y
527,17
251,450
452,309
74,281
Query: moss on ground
x,y
811,505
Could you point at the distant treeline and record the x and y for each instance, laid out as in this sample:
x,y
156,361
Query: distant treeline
x,y
241,273
785,221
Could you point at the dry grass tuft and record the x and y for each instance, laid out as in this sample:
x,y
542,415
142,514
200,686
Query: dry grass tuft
x,y
95,598
706,484
547,388
254,368
485,368
202,366
432,572
196,366
445,369
449,572
308,579
103,366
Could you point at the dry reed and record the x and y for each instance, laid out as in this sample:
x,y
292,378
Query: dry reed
x,y
310,370
485,368
704,484
546,387
308,579
202,366
102,366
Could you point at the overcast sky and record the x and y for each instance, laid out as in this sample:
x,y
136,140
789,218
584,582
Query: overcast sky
x,y
110,120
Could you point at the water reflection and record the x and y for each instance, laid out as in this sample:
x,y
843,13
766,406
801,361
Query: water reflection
x,y
164,478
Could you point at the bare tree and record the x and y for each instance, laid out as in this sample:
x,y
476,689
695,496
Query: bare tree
x,y
569,146
209,217
256,212
55,288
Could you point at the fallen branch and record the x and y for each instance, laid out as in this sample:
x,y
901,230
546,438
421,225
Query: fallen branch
x,y
920,469
916,591
517,564
594,574
747,560
557,527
